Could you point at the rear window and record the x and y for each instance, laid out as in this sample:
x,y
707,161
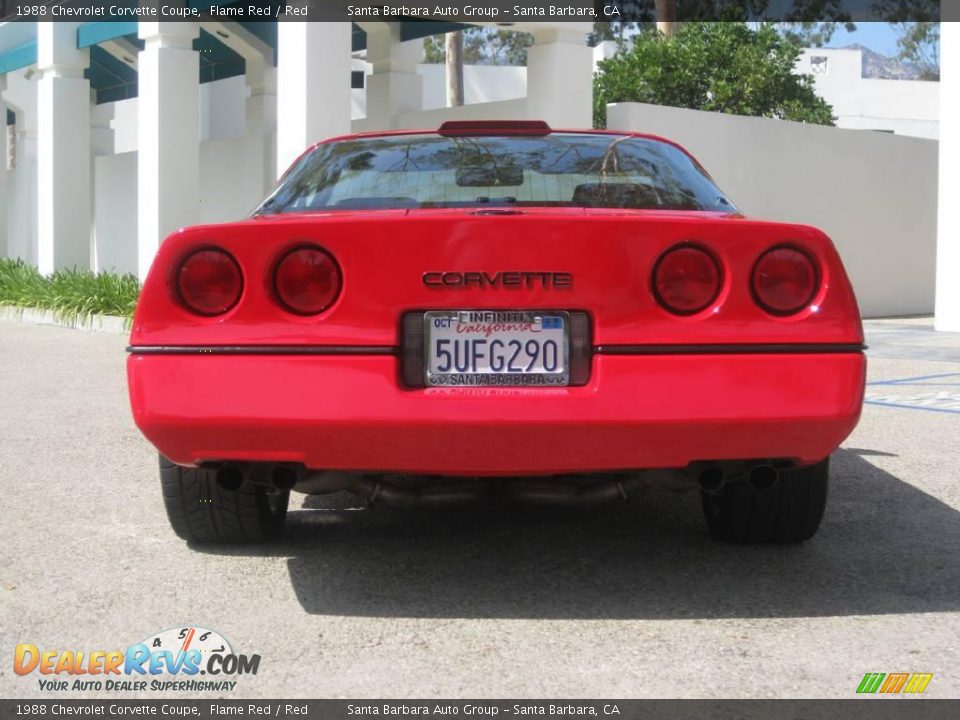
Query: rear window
x,y
434,171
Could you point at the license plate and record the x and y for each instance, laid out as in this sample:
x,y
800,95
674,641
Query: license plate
x,y
496,347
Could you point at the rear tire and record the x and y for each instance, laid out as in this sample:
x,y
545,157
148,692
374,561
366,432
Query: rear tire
x,y
202,511
788,512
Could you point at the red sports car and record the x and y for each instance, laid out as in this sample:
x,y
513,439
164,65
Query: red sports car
x,y
496,308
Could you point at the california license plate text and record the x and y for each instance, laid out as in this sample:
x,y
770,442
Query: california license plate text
x,y
496,348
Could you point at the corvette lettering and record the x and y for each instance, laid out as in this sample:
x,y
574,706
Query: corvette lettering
x,y
507,280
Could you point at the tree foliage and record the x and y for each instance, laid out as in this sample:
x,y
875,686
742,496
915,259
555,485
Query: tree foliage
x,y
483,46
919,44
813,34
918,31
720,67
903,11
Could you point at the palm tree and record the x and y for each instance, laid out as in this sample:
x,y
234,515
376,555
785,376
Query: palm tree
x,y
666,11
454,63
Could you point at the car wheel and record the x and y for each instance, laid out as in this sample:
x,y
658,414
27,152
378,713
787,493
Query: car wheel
x,y
202,510
789,511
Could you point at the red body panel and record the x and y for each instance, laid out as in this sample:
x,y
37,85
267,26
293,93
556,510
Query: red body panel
x,y
383,255
637,410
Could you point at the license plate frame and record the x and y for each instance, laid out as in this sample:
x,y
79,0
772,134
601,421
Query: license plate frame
x,y
490,378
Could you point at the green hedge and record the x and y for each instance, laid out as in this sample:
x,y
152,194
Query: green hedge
x,y
70,294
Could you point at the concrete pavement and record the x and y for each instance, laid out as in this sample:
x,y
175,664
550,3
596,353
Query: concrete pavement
x,y
631,600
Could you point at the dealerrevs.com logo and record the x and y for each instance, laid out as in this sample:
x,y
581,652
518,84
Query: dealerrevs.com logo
x,y
171,660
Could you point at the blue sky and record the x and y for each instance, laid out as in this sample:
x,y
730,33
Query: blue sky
x,y
878,36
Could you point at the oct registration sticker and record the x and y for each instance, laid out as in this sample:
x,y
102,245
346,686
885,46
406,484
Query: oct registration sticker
x,y
496,347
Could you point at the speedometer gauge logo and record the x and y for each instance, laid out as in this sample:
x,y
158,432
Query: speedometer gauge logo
x,y
182,640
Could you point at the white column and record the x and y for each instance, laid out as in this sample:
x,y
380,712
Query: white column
x,y
948,230
313,88
4,200
394,87
101,143
63,149
22,185
168,164
560,79
261,124
101,128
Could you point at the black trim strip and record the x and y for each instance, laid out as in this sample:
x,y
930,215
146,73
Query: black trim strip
x,y
262,350
759,349
797,348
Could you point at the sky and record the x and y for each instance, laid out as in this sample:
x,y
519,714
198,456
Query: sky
x,y
878,36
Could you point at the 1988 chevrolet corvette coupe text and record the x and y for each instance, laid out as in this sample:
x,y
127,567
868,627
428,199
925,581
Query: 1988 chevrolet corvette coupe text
x,y
559,316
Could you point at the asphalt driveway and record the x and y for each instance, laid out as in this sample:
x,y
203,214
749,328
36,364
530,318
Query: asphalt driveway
x,y
632,600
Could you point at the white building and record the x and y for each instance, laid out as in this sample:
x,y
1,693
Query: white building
x,y
904,107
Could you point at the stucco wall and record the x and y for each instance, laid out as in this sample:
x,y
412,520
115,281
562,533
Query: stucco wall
x,y
115,212
21,199
875,194
222,114
225,191
502,110
224,196
481,83
20,183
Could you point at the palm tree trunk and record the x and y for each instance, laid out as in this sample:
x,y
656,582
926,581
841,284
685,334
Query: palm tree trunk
x,y
666,12
454,62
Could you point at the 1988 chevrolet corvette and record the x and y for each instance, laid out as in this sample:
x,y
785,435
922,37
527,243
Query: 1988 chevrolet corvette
x,y
496,307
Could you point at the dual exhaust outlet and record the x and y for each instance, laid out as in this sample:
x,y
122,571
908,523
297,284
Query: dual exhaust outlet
x,y
230,476
557,491
760,477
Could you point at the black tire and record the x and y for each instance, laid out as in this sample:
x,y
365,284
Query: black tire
x,y
788,512
203,511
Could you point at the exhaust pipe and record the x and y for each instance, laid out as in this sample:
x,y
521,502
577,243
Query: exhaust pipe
x,y
712,479
763,477
229,477
284,478
569,494
376,490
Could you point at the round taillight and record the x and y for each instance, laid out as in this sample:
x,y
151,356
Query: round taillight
x,y
307,280
209,282
686,280
784,280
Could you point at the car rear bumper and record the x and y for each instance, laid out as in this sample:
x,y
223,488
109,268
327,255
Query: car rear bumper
x,y
637,412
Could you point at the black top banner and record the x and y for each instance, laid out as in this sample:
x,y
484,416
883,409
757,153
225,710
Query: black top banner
x,y
504,12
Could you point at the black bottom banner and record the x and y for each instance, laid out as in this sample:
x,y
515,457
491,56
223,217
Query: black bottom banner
x,y
854,709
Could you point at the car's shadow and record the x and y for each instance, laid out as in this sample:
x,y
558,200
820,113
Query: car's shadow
x,y
884,547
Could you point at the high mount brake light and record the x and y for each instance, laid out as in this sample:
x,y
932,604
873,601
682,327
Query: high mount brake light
x,y
686,280
209,282
784,280
474,128
307,280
